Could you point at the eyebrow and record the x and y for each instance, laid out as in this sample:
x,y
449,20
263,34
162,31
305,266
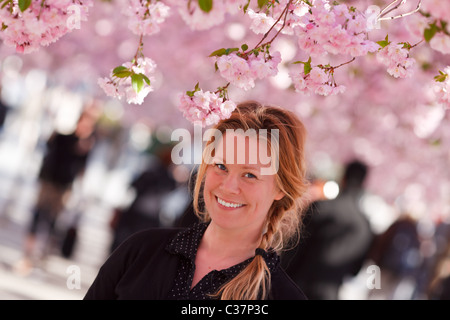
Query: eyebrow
x,y
246,167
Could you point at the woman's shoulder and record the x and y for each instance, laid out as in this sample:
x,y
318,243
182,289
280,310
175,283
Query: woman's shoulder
x,y
153,236
147,240
284,288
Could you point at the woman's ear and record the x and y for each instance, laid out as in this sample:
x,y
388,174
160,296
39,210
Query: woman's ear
x,y
279,195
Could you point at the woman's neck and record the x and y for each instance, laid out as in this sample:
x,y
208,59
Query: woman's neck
x,y
230,243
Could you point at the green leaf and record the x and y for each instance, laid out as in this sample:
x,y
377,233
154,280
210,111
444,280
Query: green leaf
x,y
191,93
24,4
246,6
429,33
244,47
137,82
443,25
441,77
406,45
262,3
223,51
205,5
119,69
219,52
146,79
307,66
436,142
384,42
230,50
122,73
6,3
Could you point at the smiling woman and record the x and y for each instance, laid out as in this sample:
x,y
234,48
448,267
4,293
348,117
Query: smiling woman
x,y
246,209
248,216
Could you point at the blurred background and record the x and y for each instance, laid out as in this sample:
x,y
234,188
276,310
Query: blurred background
x,y
124,179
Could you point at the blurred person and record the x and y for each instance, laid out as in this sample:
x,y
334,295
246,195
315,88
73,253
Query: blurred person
x,y
438,286
3,111
64,161
396,252
188,217
336,240
248,218
150,188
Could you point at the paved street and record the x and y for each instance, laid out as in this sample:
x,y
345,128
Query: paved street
x,y
57,277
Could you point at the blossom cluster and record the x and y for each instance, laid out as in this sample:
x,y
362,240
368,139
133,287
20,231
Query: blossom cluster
x,y
206,108
317,80
336,29
204,18
396,58
437,8
243,71
132,80
441,42
145,16
442,88
41,23
261,22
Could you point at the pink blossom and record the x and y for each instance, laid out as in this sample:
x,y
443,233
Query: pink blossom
x,y
397,59
439,9
121,87
109,87
442,89
262,68
205,108
317,81
41,25
137,97
318,75
243,72
236,70
333,29
145,17
261,23
441,42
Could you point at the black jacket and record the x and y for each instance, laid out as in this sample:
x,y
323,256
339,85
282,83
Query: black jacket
x,y
143,269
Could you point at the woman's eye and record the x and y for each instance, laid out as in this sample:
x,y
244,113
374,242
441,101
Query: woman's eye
x,y
220,166
250,175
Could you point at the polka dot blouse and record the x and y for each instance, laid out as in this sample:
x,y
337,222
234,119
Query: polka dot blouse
x,y
185,244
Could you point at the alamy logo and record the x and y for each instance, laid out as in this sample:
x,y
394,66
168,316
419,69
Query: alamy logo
x,y
189,150
374,279
74,17
373,14
74,278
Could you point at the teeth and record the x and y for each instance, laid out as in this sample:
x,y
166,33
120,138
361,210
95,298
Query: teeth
x,y
228,204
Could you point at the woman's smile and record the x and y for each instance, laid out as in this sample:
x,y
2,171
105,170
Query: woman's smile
x,y
228,204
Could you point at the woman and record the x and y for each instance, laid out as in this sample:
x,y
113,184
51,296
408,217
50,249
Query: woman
x,y
251,209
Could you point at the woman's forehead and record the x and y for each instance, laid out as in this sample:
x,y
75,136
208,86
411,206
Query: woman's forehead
x,y
244,148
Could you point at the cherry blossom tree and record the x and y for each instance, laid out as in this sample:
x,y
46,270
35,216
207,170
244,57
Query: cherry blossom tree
x,y
370,78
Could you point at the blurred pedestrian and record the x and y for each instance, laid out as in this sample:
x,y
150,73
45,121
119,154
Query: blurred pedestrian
x,y
336,239
150,187
249,214
3,111
64,161
396,252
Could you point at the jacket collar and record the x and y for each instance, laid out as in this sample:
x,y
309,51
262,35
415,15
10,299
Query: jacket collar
x,y
187,241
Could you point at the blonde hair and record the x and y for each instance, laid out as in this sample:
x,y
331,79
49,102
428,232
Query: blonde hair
x,y
284,217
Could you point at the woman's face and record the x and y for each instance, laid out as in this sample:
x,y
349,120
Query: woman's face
x,y
237,196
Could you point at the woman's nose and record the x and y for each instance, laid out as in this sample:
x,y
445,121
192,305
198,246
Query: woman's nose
x,y
230,184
